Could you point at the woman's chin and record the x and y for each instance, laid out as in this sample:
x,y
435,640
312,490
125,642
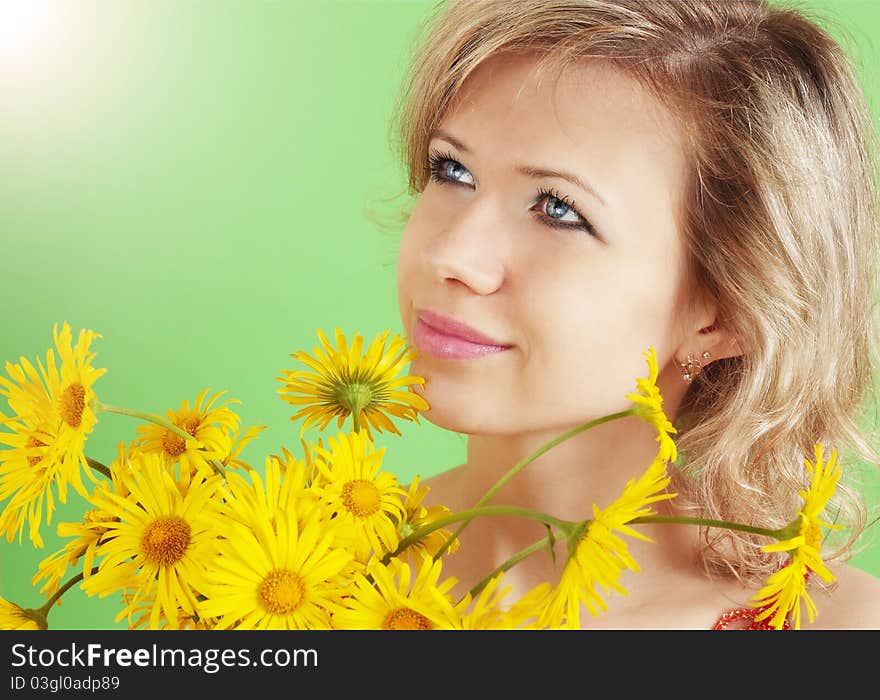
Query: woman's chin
x,y
447,420
452,411
441,412
462,398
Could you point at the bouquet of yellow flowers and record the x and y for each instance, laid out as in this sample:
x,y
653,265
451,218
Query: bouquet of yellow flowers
x,y
190,536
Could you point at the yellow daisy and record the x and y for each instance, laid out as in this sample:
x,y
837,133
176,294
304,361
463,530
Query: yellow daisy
x,y
416,516
75,396
238,441
343,381
275,576
364,498
210,426
158,540
307,462
281,490
142,610
786,591
600,555
388,598
28,471
649,407
311,455
13,617
87,534
53,416
487,611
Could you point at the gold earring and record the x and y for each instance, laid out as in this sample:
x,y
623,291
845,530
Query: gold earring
x,y
692,366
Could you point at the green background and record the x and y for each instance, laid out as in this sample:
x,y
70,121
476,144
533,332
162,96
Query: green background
x,y
197,181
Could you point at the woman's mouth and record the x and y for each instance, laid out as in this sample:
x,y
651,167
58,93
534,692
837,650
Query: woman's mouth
x,y
444,337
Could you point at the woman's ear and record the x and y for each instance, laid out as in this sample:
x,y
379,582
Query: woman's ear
x,y
706,338
720,341
704,346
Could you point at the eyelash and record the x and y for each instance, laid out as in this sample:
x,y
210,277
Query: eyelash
x,y
436,160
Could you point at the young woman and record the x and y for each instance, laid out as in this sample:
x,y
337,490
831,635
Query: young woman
x,y
599,177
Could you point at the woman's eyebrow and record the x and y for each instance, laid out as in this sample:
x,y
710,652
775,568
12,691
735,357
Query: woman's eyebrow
x,y
528,170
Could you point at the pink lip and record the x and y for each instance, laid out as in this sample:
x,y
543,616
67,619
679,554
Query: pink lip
x,y
447,338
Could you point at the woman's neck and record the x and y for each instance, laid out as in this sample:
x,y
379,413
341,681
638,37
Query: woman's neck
x,y
565,482
593,467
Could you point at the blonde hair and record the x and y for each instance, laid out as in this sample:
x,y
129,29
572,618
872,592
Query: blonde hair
x,y
780,221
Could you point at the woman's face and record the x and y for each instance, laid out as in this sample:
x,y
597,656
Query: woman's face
x,y
569,284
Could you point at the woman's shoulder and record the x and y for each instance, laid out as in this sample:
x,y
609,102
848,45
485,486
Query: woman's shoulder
x,y
853,602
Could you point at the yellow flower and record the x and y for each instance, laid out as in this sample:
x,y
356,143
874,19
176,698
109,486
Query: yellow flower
x,y
142,609
785,591
13,617
600,554
487,612
310,452
237,444
158,540
342,382
52,568
87,534
388,598
416,516
276,576
210,428
281,490
26,478
649,407
365,499
52,417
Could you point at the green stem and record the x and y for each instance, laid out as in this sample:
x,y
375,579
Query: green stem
x,y
470,514
98,467
523,463
509,564
47,608
158,420
218,467
777,534
355,419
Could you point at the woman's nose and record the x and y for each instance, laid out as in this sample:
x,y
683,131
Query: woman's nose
x,y
468,249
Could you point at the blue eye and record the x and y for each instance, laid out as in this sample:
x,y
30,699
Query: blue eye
x,y
558,205
439,165
446,170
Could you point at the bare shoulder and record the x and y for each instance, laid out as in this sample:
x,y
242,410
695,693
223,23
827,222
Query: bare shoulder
x,y
854,603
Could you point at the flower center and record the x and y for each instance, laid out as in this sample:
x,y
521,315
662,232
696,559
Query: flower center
x,y
406,619
282,592
166,539
33,442
73,403
361,497
173,443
